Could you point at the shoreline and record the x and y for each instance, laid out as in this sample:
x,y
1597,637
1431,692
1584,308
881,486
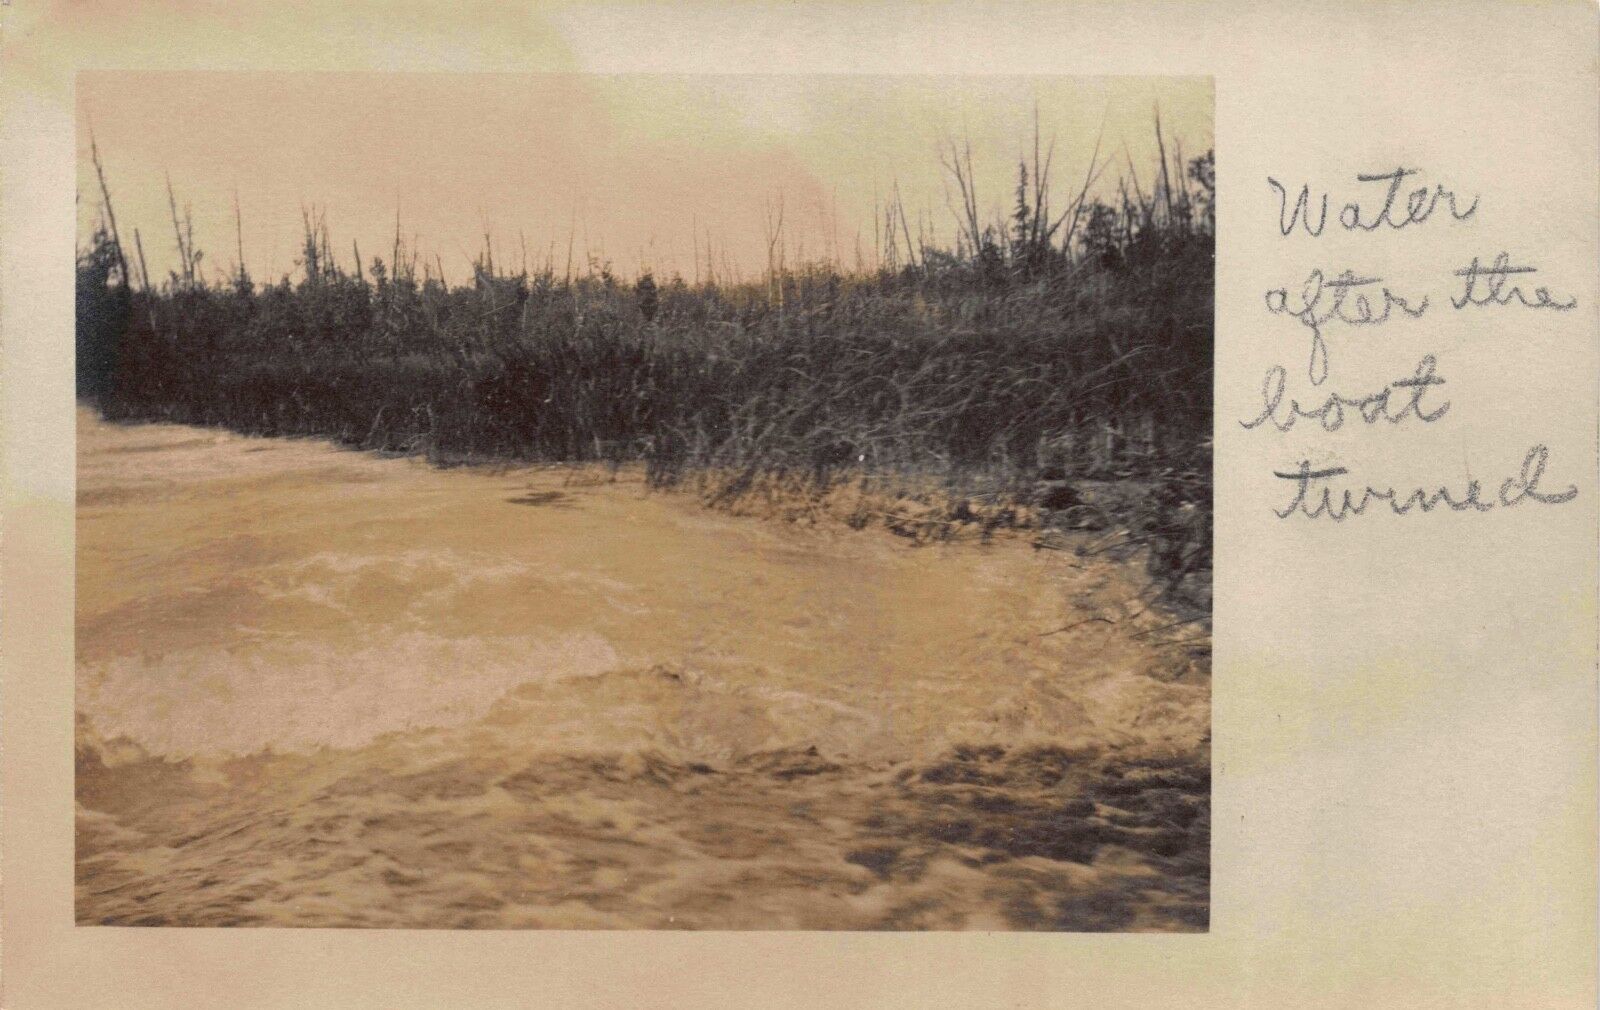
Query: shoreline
x,y
1054,511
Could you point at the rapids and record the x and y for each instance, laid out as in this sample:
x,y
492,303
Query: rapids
x,y
317,687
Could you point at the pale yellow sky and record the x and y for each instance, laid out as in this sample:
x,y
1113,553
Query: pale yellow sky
x,y
635,168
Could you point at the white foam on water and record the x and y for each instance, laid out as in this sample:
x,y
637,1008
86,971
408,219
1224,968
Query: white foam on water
x,y
299,696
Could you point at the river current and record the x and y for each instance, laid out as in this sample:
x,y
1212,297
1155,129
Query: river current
x,y
317,687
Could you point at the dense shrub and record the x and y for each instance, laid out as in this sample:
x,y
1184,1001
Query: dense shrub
x,y
1022,363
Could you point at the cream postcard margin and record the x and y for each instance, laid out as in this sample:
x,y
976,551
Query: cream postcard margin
x,y
1404,801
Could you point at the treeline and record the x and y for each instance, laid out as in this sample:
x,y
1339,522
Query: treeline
x,y
1041,351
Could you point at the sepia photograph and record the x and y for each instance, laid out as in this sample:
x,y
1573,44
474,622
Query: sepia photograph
x,y
704,502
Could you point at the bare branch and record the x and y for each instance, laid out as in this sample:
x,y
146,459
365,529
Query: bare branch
x,y
111,215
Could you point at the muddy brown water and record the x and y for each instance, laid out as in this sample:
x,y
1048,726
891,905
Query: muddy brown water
x,y
321,688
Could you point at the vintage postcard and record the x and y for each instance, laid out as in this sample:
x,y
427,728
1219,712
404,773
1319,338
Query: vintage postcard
x,y
787,507
624,505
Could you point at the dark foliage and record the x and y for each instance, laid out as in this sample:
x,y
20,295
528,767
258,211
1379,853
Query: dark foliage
x,y
1024,362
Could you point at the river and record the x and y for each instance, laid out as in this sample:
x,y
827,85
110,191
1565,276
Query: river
x,y
317,687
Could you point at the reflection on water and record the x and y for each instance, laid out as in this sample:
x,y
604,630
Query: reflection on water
x,y
322,688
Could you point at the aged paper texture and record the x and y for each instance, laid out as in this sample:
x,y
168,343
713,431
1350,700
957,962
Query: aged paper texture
x,y
1339,753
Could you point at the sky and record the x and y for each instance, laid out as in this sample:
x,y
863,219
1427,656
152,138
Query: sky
x,y
640,170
